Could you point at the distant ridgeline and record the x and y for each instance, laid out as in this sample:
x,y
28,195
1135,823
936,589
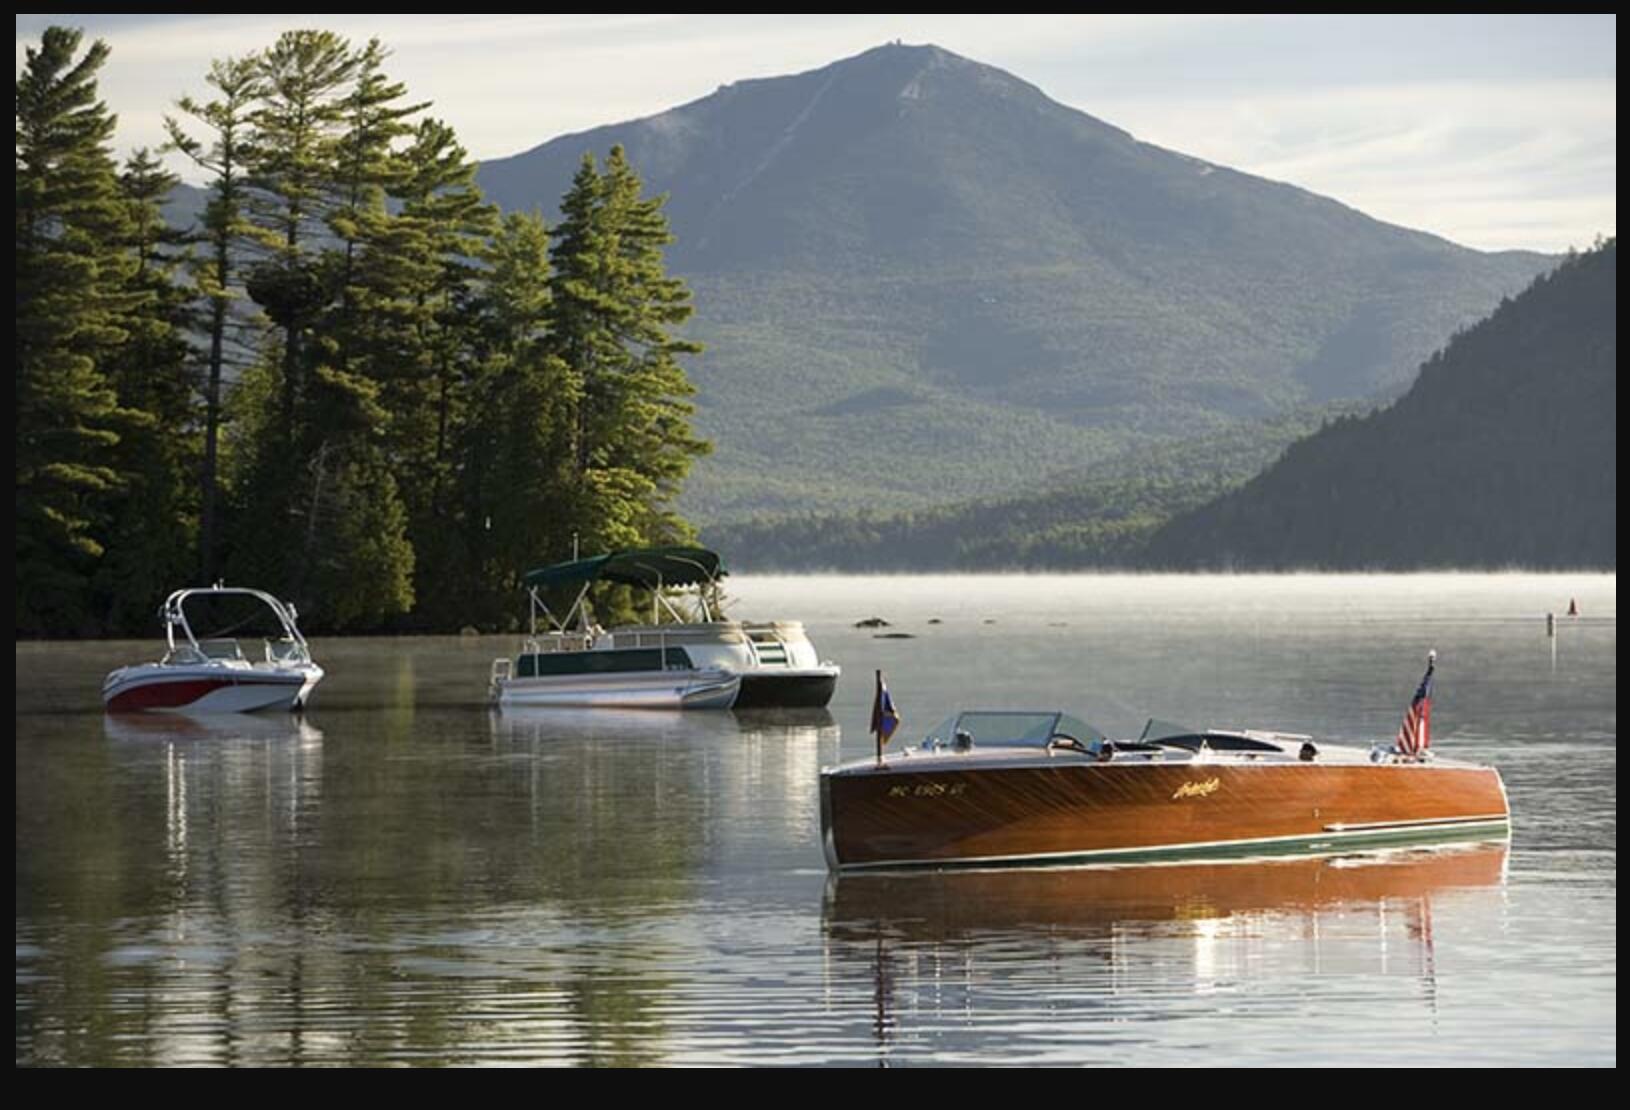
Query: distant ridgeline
x,y
1504,453
1102,515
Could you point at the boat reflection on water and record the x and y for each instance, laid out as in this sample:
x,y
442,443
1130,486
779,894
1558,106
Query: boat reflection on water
x,y
948,940
519,723
215,727
947,905
208,760
672,798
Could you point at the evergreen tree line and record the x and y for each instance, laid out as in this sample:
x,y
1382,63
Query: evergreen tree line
x,y
354,383
1102,517
1503,454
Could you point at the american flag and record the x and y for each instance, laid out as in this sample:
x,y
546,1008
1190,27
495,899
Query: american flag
x,y
1415,734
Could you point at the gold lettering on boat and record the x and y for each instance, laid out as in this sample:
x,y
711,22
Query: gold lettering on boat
x,y
928,790
1197,789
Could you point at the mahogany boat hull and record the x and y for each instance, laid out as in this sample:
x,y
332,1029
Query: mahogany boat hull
x,y
1072,809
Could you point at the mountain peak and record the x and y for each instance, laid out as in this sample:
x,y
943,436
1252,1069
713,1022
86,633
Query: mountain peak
x,y
910,223
910,63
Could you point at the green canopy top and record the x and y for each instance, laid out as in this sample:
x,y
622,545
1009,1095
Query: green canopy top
x,y
649,567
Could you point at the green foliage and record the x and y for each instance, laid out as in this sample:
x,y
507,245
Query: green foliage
x,y
518,478
615,311
158,454
213,271
1096,517
75,308
394,407
615,314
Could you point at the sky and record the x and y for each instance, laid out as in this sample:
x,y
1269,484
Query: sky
x,y
1497,132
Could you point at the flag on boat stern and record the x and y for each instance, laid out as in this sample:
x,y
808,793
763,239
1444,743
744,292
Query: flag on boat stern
x,y
885,719
1415,734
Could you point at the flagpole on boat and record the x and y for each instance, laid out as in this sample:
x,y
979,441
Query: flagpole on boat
x,y
877,718
885,719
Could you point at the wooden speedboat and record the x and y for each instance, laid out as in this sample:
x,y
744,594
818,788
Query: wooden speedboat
x,y
1042,787
214,675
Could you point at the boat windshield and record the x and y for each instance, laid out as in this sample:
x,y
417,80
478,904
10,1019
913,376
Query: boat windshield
x,y
1010,729
1165,734
1157,730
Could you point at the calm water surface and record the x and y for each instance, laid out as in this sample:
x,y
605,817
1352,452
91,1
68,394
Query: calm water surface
x,y
406,877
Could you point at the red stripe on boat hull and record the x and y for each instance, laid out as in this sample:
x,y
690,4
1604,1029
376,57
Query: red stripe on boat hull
x,y
180,693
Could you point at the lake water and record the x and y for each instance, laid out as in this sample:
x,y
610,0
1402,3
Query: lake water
x,y
407,877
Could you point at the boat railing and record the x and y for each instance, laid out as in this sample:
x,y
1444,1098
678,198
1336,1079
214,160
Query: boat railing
x,y
503,670
551,642
670,635
639,638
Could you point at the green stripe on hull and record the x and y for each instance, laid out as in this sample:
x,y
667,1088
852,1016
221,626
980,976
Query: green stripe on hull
x,y
623,661
1320,844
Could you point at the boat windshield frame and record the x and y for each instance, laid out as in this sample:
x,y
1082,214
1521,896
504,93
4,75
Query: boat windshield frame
x,y
1043,728
174,615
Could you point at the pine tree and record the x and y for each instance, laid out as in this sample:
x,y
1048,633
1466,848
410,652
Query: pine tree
x,y
215,274
442,228
316,465
153,515
71,307
655,437
299,119
586,308
615,319
518,473
441,201
366,166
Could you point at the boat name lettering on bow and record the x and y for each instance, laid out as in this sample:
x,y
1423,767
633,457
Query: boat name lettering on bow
x,y
928,790
1197,789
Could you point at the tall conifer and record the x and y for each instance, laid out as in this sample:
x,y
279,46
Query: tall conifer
x,y
71,305
215,273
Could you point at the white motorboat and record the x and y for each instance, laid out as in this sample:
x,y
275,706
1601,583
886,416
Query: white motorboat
x,y
686,663
575,664
214,675
775,659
